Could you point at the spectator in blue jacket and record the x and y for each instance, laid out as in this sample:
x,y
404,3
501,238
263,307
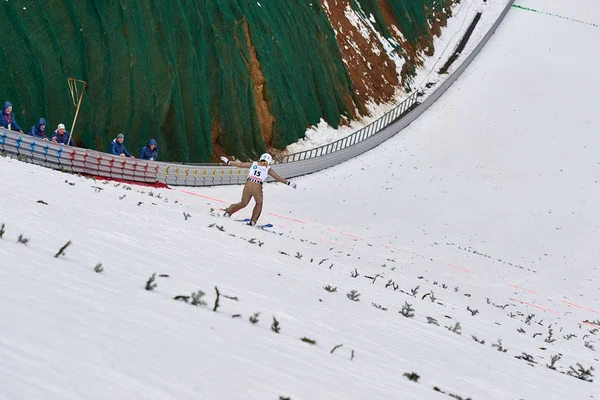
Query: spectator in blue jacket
x,y
39,129
61,136
118,148
7,119
149,152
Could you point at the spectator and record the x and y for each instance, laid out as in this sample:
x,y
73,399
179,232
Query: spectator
x,y
39,129
7,119
61,136
118,148
149,152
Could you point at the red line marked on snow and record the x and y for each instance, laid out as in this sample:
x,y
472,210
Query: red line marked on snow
x,y
582,307
457,267
201,195
463,282
343,233
536,306
522,288
288,218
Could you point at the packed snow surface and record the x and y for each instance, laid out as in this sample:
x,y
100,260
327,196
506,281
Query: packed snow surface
x,y
470,242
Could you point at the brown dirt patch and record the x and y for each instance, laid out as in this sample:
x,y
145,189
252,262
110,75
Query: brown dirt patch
x,y
374,75
259,84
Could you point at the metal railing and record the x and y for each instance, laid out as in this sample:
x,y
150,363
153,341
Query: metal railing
x,y
354,138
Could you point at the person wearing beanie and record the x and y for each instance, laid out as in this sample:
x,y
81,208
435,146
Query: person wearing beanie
x,y
7,119
39,129
61,136
117,147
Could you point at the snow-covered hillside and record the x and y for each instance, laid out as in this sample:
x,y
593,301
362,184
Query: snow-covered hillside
x,y
463,251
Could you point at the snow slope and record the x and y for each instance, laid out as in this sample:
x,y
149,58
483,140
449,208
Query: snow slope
x,y
488,201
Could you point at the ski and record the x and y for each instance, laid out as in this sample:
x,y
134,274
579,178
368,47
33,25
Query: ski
x,y
261,226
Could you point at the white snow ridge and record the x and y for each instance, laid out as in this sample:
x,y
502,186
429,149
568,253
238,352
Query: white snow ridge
x,y
458,260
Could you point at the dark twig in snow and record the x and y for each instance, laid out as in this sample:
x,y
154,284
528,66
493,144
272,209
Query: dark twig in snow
x,y
216,299
151,283
337,346
61,252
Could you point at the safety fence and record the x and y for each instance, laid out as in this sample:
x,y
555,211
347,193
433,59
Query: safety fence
x,y
94,163
356,137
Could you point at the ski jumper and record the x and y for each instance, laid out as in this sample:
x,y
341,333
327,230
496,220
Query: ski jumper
x,y
257,174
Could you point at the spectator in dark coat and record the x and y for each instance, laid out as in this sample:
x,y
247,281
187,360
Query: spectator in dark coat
x,y
150,152
7,119
39,129
61,136
118,148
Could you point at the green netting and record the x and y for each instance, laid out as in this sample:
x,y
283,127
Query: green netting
x,y
371,9
180,71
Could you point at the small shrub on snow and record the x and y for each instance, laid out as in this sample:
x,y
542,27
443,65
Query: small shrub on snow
x,y
330,289
407,310
353,295
499,346
254,318
22,239
308,340
581,373
473,312
197,298
412,376
275,326
456,328
99,268
553,361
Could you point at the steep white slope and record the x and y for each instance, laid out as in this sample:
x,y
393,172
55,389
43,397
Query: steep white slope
x,y
488,202
70,333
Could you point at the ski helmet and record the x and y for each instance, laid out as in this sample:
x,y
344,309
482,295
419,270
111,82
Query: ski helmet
x,y
266,157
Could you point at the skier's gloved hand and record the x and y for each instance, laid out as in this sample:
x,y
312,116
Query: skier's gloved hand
x,y
225,160
292,184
